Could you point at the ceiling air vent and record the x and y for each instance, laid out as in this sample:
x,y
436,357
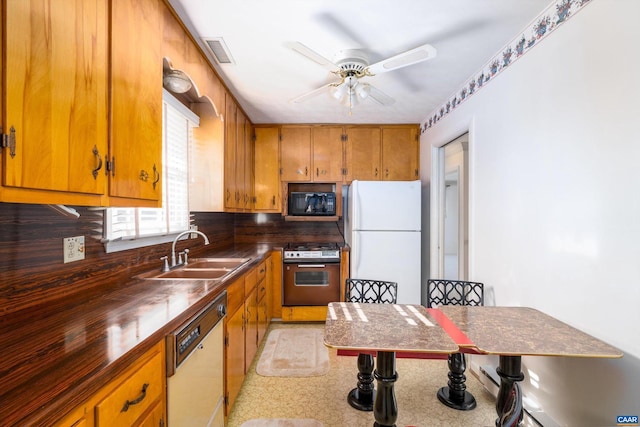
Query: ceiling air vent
x,y
219,50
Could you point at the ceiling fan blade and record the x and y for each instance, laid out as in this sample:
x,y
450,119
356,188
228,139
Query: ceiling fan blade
x,y
312,55
379,96
410,57
311,94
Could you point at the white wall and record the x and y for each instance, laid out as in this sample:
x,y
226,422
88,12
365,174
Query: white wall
x,y
554,154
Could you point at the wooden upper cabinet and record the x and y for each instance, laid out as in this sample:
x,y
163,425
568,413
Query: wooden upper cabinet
x,y
231,191
248,165
241,155
136,101
327,155
295,153
206,161
55,101
266,148
400,153
363,154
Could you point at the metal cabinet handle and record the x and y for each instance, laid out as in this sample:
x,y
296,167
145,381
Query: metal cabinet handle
x,y
306,171
143,394
156,174
376,174
9,141
273,201
96,153
317,171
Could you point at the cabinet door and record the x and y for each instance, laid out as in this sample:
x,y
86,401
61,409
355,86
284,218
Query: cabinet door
x,y
248,165
362,154
295,153
136,100
400,153
56,99
232,192
251,329
234,357
327,153
241,153
266,172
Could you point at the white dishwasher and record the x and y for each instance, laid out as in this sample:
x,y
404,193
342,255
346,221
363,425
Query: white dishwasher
x,y
195,356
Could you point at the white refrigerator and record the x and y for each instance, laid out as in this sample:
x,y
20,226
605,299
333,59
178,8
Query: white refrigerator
x,y
383,229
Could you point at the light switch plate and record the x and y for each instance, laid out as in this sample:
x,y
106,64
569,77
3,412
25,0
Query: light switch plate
x,y
73,248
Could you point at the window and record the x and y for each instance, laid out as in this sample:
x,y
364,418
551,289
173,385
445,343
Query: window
x,y
128,228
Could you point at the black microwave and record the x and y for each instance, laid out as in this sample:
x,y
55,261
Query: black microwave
x,y
312,203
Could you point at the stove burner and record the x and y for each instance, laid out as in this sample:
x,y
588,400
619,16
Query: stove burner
x,y
312,247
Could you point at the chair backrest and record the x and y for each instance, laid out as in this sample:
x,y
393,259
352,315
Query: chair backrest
x,y
372,291
454,292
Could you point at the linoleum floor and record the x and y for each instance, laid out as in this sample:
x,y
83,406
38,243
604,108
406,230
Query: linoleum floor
x,y
323,398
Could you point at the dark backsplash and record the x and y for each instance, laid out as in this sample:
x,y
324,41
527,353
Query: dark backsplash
x,y
32,271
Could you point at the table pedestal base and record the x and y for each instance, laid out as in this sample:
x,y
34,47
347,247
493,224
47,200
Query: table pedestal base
x,y
509,402
455,395
362,396
385,407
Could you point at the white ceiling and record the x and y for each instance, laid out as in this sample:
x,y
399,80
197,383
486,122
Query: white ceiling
x,y
267,74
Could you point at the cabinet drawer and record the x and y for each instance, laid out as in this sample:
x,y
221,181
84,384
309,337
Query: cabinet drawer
x,y
133,397
262,290
250,281
261,271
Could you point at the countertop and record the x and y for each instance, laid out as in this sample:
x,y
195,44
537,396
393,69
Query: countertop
x,y
55,357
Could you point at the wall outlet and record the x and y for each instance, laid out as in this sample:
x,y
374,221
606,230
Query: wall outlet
x,y
73,248
193,235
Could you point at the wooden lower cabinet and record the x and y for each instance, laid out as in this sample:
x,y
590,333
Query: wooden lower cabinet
x,y
234,356
141,389
251,328
245,326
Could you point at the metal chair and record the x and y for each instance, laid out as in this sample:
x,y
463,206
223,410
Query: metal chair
x,y
367,291
455,292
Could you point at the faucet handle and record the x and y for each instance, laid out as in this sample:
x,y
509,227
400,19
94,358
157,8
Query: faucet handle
x,y
186,256
165,266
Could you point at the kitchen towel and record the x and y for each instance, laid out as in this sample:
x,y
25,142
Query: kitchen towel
x,y
297,352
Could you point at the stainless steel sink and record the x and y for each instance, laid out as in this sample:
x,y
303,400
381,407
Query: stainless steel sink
x,y
199,268
206,263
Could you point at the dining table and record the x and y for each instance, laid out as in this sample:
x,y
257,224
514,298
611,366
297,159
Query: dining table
x,y
509,332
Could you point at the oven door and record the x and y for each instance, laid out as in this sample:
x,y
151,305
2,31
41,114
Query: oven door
x,y
313,283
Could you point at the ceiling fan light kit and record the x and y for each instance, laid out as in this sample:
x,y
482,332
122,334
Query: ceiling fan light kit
x,y
350,65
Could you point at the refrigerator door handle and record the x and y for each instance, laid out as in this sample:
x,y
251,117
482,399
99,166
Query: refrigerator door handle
x,y
355,250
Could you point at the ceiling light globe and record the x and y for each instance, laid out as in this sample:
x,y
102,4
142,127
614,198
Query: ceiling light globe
x,y
176,81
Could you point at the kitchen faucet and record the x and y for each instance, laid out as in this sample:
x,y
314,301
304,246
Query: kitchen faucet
x,y
174,263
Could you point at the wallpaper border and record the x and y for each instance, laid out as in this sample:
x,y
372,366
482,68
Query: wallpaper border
x,y
551,18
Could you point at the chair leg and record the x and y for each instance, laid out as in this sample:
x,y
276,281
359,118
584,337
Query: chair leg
x,y
362,396
455,394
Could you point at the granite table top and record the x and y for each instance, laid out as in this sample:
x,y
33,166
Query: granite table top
x,y
385,327
520,331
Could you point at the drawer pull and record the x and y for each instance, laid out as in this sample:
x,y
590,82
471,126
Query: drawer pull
x,y
137,400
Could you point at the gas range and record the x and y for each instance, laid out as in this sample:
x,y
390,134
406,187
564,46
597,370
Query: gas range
x,y
312,252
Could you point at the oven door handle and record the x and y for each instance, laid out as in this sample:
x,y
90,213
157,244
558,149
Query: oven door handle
x,y
311,265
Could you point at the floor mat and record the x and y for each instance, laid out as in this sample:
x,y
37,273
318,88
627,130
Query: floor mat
x,y
298,352
282,422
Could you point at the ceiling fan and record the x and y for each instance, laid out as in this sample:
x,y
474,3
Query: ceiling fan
x,y
351,65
